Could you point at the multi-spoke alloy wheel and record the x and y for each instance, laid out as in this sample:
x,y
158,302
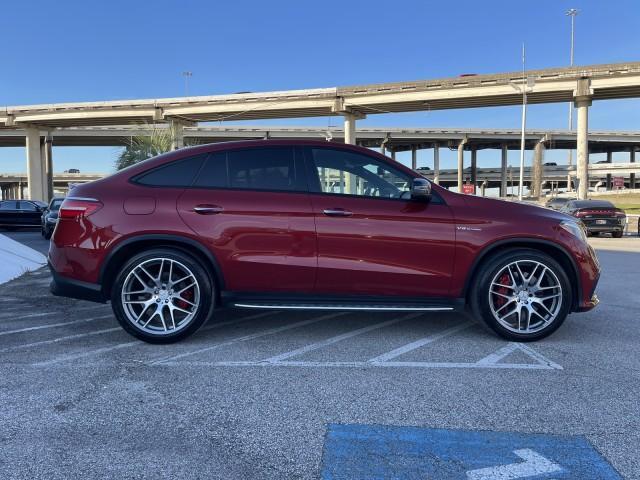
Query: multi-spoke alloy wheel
x,y
162,296
522,294
525,296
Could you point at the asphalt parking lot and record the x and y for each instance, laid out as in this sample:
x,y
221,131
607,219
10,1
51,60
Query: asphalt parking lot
x,y
270,394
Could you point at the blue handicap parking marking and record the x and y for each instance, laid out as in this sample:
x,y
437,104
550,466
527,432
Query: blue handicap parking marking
x,y
358,452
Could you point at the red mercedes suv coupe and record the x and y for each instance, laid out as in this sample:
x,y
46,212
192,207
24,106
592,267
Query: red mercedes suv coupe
x,y
311,226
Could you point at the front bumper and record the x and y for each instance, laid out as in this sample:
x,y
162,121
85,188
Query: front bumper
x,y
67,287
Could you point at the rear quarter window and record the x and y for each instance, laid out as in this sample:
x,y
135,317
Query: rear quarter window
x,y
180,173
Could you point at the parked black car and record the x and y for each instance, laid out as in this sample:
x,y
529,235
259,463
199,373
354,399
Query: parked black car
x,y
557,203
21,213
598,216
49,217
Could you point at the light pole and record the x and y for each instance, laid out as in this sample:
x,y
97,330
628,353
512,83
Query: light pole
x,y
572,12
526,82
187,75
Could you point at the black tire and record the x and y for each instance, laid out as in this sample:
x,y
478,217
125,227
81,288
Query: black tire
x,y
617,234
47,234
479,294
205,304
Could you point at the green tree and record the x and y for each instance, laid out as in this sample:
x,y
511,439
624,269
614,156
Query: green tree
x,y
142,147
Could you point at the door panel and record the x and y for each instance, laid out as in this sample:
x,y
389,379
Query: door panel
x,y
28,214
384,247
256,219
9,212
264,241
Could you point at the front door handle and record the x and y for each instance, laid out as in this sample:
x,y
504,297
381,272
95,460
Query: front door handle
x,y
207,209
337,212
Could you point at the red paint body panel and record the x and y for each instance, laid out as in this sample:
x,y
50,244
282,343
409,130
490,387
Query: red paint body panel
x,y
263,241
386,247
283,242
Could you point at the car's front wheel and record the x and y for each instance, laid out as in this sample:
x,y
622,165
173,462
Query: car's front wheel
x,y
521,294
162,296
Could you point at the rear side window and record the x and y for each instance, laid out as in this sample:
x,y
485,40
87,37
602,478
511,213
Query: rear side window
x,y
180,173
214,172
264,169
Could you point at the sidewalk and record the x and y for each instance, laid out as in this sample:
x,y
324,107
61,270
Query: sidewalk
x,y
16,259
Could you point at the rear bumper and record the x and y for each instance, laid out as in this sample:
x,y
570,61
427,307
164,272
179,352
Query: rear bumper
x,y
605,228
67,287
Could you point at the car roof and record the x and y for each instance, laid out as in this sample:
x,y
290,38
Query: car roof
x,y
239,144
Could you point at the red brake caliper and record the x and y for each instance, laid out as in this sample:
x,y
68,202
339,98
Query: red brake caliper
x,y
504,280
188,295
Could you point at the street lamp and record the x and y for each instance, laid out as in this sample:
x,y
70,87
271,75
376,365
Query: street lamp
x,y
187,75
572,12
527,82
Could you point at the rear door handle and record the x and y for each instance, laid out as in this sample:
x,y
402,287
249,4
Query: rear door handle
x,y
337,212
207,209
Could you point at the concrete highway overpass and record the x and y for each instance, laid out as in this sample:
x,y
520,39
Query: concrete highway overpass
x,y
581,85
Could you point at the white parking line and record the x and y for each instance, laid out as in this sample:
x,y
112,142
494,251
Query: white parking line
x,y
366,364
59,339
237,320
338,338
419,343
6,316
76,356
271,331
498,355
54,325
538,356
101,350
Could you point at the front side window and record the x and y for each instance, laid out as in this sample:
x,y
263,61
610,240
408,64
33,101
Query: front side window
x,y
271,168
349,173
55,204
180,173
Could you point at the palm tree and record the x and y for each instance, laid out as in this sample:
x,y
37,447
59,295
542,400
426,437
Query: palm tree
x,y
142,147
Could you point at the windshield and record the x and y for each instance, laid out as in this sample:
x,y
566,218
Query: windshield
x,y
55,204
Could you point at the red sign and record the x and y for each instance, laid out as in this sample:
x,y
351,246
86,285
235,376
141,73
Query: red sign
x,y
618,182
468,189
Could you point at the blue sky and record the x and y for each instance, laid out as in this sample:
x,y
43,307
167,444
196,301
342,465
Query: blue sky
x,y
81,51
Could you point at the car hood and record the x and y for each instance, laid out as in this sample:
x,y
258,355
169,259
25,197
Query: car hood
x,y
521,209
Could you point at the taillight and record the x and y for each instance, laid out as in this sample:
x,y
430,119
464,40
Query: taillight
x,y
580,214
79,207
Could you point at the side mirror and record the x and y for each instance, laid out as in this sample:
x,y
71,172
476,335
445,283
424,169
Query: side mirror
x,y
421,190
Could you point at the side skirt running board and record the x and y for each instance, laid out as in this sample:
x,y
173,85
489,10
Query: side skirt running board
x,y
367,308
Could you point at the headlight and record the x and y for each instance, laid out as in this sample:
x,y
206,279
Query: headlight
x,y
574,228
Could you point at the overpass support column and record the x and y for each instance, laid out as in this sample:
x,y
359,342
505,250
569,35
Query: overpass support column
x,y
393,155
609,160
536,180
474,168
177,134
436,163
582,103
503,170
36,171
349,128
461,163
632,176
414,157
47,158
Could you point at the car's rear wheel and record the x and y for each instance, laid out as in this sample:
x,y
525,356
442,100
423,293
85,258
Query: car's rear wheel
x,y
522,295
162,296
617,234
